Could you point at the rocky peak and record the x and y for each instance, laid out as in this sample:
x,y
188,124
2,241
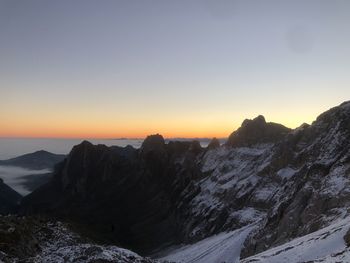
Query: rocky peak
x,y
195,147
9,198
214,143
257,131
153,143
335,114
257,121
79,169
345,105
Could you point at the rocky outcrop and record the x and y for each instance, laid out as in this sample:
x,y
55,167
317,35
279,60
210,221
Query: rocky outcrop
x,y
257,131
214,143
129,196
9,199
39,240
316,192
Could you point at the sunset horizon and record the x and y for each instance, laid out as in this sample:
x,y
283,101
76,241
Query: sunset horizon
x,y
181,69
201,131
181,129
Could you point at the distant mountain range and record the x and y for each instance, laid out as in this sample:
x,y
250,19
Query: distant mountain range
x,y
268,194
35,161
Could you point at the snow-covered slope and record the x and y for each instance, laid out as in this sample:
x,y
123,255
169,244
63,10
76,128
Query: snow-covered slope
x,y
232,175
65,246
325,245
223,247
289,189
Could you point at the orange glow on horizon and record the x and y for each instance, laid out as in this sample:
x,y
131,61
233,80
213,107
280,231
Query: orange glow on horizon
x,y
100,130
97,125
100,134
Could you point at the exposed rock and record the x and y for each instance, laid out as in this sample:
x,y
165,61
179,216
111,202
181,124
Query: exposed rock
x,y
317,192
9,199
38,240
129,196
153,143
214,143
257,131
195,147
347,238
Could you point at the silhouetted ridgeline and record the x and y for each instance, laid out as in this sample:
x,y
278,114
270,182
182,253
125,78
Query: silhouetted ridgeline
x,y
283,183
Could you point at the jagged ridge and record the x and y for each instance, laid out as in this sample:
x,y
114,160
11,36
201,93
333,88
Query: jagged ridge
x,y
290,182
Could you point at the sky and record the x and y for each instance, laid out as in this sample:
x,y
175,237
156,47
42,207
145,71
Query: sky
x,y
185,68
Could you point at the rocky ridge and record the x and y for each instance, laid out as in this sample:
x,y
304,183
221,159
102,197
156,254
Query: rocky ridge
x,y
39,240
286,183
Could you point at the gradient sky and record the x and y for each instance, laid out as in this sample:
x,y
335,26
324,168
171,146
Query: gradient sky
x,y
102,68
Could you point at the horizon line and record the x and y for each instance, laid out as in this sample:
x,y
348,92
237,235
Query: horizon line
x,y
108,138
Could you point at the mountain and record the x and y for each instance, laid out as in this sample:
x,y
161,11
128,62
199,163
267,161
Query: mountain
x,y
35,161
129,196
38,168
325,245
257,131
38,240
266,186
9,199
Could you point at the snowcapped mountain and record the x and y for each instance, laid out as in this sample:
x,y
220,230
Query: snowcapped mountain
x,y
249,198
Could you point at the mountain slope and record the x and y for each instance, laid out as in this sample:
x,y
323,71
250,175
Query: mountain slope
x,y
223,247
257,131
9,198
325,245
35,161
128,195
37,240
288,183
315,191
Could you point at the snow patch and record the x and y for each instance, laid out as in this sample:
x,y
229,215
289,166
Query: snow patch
x,y
224,247
325,245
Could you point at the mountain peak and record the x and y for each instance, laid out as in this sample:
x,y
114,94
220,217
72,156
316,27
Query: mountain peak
x,y
37,160
335,114
345,104
153,142
214,143
256,131
259,120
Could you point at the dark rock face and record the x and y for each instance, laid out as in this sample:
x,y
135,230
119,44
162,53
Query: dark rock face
x,y
214,143
257,131
347,238
129,196
9,199
318,192
37,239
17,237
35,161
